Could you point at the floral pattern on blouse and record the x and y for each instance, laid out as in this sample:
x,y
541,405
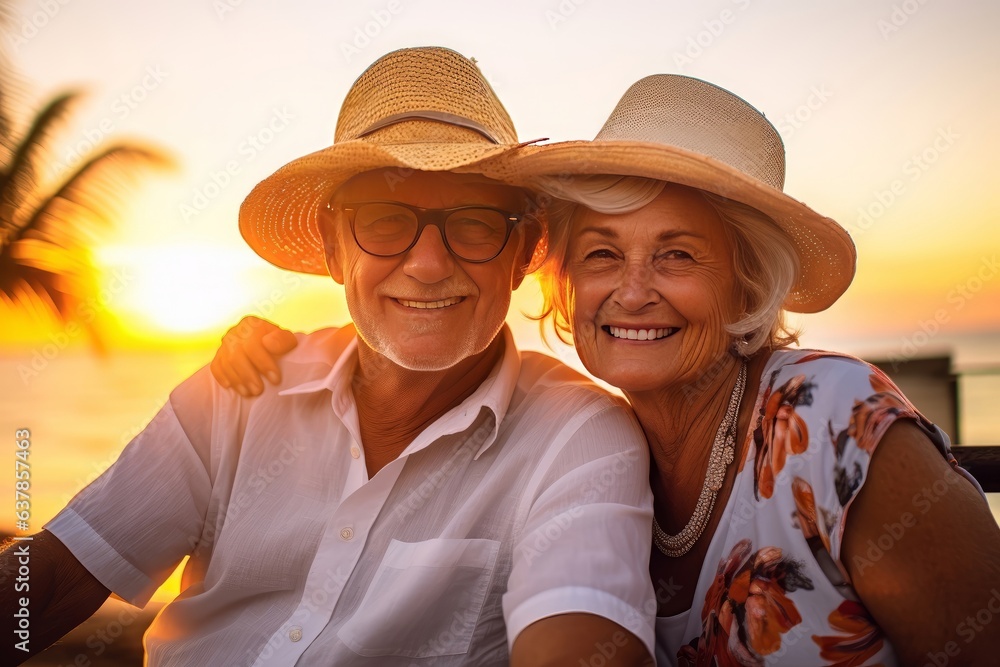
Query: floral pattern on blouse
x,y
773,589
813,521
869,415
870,418
781,431
861,638
747,608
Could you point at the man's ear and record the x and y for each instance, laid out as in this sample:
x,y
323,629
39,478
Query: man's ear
x,y
532,234
329,230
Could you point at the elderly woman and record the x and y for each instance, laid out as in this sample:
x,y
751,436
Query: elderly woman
x,y
805,512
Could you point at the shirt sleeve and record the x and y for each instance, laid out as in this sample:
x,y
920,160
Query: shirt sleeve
x,y
132,525
586,537
843,406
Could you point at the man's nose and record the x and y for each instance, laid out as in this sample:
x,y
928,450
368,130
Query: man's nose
x,y
429,260
635,289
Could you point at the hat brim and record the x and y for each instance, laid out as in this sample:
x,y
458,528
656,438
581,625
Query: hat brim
x,y
279,219
826,252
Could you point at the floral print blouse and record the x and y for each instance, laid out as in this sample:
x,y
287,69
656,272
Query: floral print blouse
x,y
773,589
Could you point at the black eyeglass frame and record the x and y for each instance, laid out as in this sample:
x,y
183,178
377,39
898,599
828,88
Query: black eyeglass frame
x,y
430,216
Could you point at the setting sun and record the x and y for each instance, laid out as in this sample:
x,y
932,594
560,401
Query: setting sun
x,y
178,289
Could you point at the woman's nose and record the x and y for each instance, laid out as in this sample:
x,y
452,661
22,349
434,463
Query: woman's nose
x,y
635,289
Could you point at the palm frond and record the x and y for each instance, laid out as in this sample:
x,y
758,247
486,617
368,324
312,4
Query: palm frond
x,y
45,262
91,196
19,180
7,22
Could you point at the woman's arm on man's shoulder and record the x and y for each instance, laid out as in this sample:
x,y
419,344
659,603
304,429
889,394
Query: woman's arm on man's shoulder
x,y
248,353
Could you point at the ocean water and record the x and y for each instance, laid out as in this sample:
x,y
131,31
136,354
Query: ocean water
x,y
81,411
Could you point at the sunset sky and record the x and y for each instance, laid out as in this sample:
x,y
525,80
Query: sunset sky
x,y
887,110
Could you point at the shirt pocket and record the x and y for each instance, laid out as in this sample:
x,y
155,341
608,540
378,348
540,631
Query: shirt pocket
x,y
424,600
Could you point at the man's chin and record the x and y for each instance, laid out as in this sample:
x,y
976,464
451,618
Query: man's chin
x,y
428,350
427,357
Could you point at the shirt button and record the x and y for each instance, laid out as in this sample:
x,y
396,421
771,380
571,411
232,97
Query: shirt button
x,y
355,453
295,634
346,533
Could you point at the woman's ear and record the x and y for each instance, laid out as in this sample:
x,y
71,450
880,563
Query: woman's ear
x,y
329,230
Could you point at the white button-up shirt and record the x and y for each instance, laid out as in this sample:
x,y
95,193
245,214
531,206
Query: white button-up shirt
x,y
528,499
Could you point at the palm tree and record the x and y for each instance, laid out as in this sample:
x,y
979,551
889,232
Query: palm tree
x,y
45,229
45,263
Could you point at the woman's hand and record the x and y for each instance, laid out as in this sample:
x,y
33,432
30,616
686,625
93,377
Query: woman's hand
x,y
248,351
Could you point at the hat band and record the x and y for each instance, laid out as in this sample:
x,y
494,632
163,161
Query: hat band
x,y
438,116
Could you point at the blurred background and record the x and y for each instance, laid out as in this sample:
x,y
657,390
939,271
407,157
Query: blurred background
x,y
130,133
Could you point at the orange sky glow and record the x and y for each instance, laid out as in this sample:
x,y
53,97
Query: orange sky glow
x,y
886,126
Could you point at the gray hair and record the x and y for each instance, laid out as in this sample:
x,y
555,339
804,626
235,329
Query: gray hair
x,y
765,262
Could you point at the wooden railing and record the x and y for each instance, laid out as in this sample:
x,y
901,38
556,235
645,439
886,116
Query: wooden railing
x,y
982,462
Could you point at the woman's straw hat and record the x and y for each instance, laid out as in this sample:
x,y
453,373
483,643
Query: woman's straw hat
x,y
684,130
427,109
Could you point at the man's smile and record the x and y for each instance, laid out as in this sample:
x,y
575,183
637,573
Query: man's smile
x,y
431,305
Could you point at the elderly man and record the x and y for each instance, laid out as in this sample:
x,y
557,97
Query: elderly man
x,y
416,491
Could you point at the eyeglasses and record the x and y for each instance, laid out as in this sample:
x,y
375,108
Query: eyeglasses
x,y
471,233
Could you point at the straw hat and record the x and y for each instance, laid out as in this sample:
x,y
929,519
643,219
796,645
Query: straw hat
x,y
427,108
684,130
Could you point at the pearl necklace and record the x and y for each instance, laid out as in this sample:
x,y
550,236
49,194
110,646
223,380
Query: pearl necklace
x,y
722,454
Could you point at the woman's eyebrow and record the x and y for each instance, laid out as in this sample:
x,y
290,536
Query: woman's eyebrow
x,y
677,233
610,233
606,232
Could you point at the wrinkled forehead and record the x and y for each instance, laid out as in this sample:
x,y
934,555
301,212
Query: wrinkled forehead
x,y
430,189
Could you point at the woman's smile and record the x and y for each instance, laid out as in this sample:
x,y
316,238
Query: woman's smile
x,y
649,334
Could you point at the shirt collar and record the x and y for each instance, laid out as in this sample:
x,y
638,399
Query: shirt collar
x,y
494,394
